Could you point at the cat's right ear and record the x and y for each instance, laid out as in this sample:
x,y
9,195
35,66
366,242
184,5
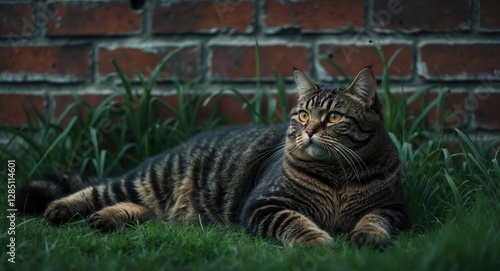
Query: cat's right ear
x,y
304,85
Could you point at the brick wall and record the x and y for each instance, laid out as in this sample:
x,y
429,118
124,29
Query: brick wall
x,y
51,49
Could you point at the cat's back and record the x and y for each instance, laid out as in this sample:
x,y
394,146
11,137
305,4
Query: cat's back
x,y
233,143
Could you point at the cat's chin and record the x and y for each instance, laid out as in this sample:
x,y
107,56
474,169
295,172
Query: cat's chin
x,y
316,152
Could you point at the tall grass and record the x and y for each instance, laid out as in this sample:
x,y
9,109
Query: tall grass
x,y
438,182
262,106
113,136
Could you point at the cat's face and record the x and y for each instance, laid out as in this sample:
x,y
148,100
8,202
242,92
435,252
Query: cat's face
x,y
332,124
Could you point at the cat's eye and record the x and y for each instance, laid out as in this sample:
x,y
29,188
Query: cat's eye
x,y
303,116
334,117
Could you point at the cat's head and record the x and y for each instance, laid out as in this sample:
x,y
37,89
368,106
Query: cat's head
x,y
330,123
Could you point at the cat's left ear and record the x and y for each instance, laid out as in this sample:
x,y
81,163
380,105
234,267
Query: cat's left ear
x,y
364,85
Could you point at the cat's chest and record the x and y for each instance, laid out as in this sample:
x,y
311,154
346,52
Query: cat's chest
x,y
340,210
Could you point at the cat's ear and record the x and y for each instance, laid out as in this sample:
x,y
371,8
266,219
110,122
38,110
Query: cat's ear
x,y
364,85
304,85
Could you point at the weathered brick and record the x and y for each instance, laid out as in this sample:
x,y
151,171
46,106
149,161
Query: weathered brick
x,y
314,15
183,64
14,105
238,62
45,63
452,114
203,17
489,20
230,108
93,18
494,148
425,15
459,61
485,109
353,58
61,102
16,19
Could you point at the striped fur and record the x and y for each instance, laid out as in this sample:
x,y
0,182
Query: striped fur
x,y
332,169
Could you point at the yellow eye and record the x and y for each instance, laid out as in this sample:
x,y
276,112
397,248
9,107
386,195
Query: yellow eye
x,y
303,116
334,117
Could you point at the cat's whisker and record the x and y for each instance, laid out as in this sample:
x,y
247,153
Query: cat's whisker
x,y
265,151
349,160
270,158
337,157
355,155
292,152
278,149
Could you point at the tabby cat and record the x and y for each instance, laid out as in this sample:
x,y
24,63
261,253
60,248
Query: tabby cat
x,y
332,169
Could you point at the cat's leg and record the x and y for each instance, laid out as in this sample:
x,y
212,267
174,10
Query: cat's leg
x,y
288,226
184,206
111,217
372,229
77,204
92,199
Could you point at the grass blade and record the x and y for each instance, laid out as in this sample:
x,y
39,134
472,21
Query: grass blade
x,y
57,141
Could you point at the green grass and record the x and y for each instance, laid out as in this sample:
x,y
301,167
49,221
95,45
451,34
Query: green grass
x,y
463,245
453,196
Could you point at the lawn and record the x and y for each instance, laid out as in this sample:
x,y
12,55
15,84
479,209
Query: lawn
x,y
470,243
451,182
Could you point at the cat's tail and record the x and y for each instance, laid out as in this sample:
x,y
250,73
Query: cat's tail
x,y
34,197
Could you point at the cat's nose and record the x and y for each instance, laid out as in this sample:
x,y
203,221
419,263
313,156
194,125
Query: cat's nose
x,y
310,132
312,127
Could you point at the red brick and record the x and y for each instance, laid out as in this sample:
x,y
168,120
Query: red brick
x,y
485,109
93,18
352,59
16,19
486,141
494,148
238,62
205,16
13,109
314,15
225,106
183,64
459,61
453,114
488,15
61,102
231,109
425,15
45,63
291,100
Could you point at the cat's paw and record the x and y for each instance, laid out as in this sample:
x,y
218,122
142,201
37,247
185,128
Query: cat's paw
x,y
376,237
317,238
59,212
102,222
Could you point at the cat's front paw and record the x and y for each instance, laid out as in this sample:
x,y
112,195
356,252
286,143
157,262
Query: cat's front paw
x,y
102,222
377,237
59,212
317,238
